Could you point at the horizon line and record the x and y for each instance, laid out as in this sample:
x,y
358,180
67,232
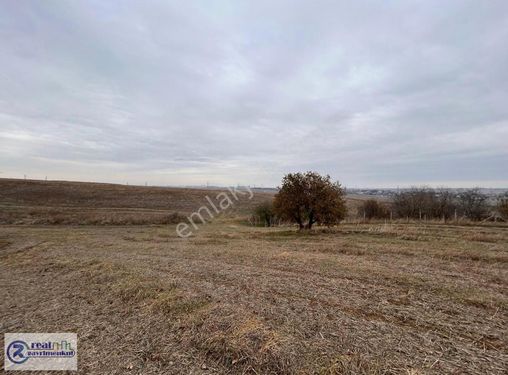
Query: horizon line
x,y
253,186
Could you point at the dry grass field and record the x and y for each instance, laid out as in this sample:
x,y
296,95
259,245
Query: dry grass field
x,y
82,203
399,298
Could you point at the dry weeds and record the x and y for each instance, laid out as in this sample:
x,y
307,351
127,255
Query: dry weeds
x,y
64,202
358,299
372,298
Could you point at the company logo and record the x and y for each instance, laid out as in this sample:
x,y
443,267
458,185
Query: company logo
x,y
40,351
16,351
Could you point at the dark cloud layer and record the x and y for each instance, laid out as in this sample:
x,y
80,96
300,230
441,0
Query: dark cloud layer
x,y
375,93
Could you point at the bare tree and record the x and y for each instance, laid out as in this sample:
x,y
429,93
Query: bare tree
x,y
444,204
417,203
423,202
373,209
473,204
502,205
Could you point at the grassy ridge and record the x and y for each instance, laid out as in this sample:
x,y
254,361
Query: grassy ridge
x,y
64,202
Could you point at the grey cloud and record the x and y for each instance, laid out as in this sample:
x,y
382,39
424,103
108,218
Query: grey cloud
x,y
373,93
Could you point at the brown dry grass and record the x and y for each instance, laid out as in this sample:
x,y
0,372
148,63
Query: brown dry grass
x,y
358,299
363,298
22,215
35,202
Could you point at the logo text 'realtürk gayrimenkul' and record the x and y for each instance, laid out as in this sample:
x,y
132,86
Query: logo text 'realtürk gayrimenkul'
x,y
41,351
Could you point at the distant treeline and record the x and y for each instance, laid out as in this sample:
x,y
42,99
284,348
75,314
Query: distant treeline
x,y
426,203
420,203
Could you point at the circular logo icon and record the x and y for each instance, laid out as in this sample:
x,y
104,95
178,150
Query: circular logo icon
x,y
17,352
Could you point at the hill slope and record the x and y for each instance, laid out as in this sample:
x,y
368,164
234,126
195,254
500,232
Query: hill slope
x,y
60,202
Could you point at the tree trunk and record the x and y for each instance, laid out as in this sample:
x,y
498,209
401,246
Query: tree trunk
x,y
298,219
268,221
311,221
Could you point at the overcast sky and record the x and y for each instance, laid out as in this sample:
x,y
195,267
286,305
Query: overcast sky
x,y
374,93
